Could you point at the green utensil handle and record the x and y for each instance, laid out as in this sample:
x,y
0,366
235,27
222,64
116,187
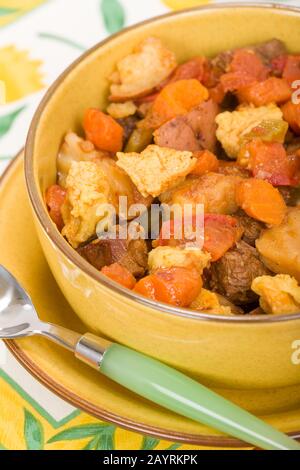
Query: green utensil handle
x,y
175,391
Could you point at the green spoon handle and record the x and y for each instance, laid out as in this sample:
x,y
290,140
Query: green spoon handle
x,y
173,390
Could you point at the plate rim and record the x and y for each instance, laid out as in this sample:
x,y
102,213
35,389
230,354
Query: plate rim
x,y
87,407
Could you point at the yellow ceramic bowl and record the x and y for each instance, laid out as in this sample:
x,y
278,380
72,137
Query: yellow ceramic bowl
x,y
237,353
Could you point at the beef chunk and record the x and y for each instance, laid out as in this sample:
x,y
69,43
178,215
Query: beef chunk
x,y
222,61
177,134
252,228
136,257
194,131
233,274
129,124
97,253
132,254
293,144
291,195
269,50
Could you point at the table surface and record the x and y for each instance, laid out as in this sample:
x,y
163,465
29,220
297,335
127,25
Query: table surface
x,y
38,40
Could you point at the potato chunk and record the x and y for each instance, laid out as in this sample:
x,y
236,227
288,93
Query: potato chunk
x,y
215,191
208,302
167,257
234,126
140,72
279,295
75,149
87,189
279,246
156,169
122,110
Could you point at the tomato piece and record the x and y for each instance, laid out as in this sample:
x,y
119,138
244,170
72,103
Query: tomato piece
x,y
291,70
119,274
217,93
194,68
103,131
175,286
221,232
180,232
55,197
172,234
248,62
246,67
167,235
269,161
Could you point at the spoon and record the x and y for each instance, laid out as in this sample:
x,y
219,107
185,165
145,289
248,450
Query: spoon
x,y
147,377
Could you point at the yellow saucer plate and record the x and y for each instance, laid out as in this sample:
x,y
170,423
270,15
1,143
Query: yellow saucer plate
x,y
76,383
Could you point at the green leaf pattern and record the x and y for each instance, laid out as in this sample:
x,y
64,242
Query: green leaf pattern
x,y
79,432
33,432
113,15
7,11
149,443
102,436
7,120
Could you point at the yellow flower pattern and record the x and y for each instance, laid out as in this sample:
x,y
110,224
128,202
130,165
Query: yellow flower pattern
x,y
20,74
2,92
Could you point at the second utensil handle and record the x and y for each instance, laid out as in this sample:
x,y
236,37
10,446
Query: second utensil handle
x,y
173,390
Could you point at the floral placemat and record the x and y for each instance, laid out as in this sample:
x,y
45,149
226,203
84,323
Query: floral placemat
x,y
38,40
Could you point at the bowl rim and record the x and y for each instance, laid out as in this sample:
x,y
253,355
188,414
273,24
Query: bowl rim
x,y
56,238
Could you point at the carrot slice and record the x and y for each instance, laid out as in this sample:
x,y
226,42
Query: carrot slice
x,y
206,162
55,197
178,98
103,131
194,68
246,67
119,274
175,286
272,90
221,232
260,200
291,114
269,161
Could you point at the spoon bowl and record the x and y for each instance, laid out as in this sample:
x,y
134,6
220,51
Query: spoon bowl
x,y
18,317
